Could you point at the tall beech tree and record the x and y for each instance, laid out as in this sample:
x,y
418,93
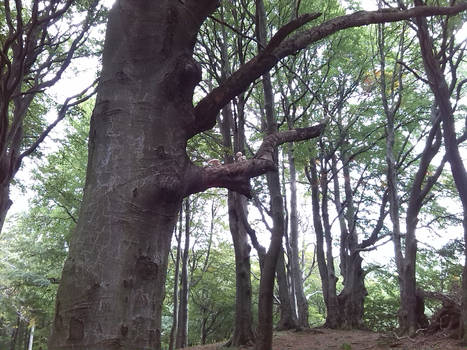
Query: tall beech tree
x,y
341,175
442,91
112,288
394,83
288,319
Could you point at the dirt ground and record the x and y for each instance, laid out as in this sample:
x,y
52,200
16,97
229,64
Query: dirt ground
x,y
327,339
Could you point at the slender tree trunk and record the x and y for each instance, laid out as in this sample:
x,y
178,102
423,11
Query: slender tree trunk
x,y
31,337
287,319
406,311
182,329
265,304
405,264
297,277
243,331
333,319
15,333
174,329
204,334
237,206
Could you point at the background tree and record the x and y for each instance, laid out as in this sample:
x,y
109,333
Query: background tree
x,y
442,91
38,44
34,248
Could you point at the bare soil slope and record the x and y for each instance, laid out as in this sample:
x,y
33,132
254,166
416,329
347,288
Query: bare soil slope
x,y
327,339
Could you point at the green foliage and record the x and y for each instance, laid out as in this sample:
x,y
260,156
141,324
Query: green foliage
x,y
213,299
346,346
33,249
382,302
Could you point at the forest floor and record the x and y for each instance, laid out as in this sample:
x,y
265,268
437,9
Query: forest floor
x,y
327,339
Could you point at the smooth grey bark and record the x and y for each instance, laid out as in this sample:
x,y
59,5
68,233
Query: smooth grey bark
x,y
181,340
243,327
237,209
333,315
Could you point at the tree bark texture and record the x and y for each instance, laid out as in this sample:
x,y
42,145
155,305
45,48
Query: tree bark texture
x,y
351,298
237,208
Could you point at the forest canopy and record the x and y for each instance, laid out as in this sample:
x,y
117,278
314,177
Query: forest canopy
x,y
238,167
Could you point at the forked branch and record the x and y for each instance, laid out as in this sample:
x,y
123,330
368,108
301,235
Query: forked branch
x,y
236,176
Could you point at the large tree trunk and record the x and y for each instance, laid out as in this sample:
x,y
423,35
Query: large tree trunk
x,y
463,329
351,298
112,287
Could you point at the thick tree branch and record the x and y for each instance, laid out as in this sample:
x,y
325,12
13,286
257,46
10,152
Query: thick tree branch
x,y
236,176
207,109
